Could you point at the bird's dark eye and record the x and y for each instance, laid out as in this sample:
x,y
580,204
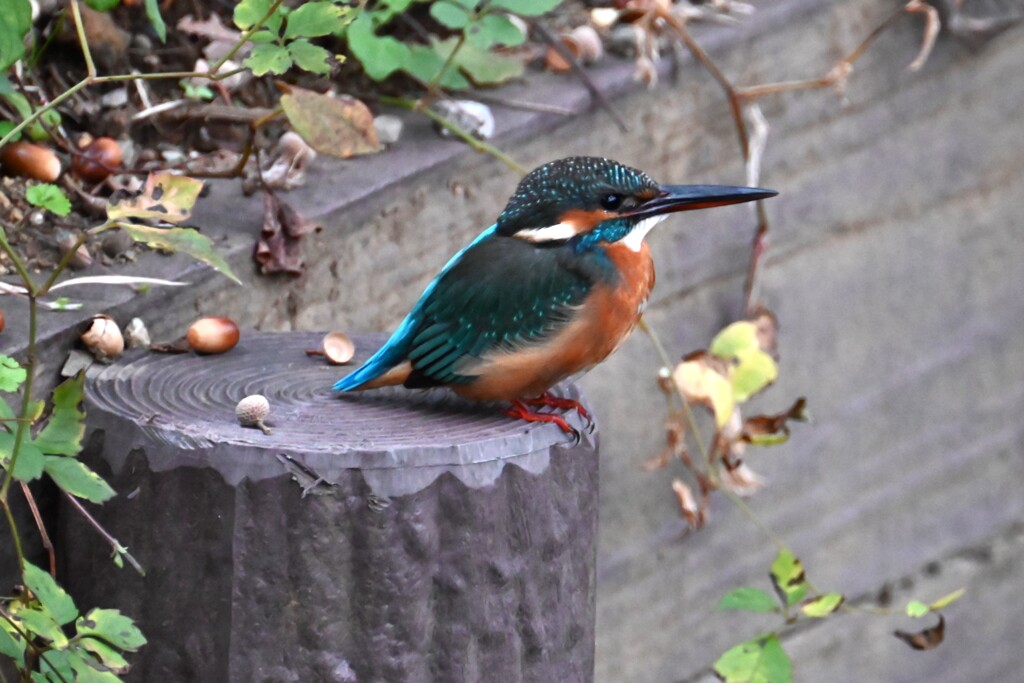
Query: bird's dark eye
x,y
611,201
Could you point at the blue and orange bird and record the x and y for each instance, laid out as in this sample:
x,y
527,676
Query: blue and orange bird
x,y
546,293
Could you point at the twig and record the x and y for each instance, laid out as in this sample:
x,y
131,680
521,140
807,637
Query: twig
x,y
113,542
45,537
580,72
477,144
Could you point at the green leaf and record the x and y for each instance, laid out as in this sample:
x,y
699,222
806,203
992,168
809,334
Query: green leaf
x,y
917,609
755,371
86,671
30,458
248,12
12,375
77,479
153,14
15,22
760,660
309,57
54,667
448,14
947,600
12,644
63,432
42,623
5,128
268,58
495,29
424,63
52,596
788,577
113,627
823,605
748,599
380,56
314,19
49,197
525,8
102,5
106,654
734,339
165,197
184,240
482,67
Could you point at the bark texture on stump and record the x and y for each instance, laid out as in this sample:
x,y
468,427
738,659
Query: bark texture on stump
x,y
387,536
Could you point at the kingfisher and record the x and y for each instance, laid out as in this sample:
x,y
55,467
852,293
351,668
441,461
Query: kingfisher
x,y
545,293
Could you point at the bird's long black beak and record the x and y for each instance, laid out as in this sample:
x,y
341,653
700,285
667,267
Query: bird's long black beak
x,y
692,197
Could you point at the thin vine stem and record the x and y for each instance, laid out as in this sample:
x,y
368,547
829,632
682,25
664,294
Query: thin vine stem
x,y
477,144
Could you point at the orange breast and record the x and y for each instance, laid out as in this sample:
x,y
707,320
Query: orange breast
x,y
603,322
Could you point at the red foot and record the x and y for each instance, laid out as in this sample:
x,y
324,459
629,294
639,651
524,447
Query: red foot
x,y
552,401
520,411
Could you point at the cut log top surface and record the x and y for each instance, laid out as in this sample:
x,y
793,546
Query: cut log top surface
x,y
180,411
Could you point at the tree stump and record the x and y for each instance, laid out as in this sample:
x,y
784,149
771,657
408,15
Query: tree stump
x,y
387,536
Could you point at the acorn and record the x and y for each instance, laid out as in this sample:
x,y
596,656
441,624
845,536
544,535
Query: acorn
x,y
98,160
103,338
31,161
3,323
338,348
582,42
212,335
252,410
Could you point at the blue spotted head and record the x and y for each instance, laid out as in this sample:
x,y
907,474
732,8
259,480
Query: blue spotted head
x,y
590,200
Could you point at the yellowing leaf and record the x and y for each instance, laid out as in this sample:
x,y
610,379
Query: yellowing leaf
x,y
823,605
700,382
755,371
339,126
788,577
916,609
735,339
165,197
184,240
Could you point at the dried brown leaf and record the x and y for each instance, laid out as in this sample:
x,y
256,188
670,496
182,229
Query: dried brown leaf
x,y
340,126
278,249
770,429
692,511
927,639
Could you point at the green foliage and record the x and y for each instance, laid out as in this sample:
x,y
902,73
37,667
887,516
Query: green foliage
x,y
15,22
748,599
102,5
822,606
283,41
49,197
21,105
917,609
153,14
52,597
183,240
12,375
759,660
788,577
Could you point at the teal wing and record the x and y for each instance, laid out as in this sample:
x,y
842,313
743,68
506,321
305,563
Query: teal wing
x,y
503,293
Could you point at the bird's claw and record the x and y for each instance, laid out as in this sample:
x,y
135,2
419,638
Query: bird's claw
x,y
519,410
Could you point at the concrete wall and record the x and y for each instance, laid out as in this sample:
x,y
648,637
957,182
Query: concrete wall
x,y
895,271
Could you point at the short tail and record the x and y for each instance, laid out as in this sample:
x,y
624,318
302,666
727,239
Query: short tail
x,y
386,367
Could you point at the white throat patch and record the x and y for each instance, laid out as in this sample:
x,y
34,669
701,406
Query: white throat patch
x,y
552,233
635,238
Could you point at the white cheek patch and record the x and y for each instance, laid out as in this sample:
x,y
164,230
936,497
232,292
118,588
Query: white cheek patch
x,y
552,233
635,238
